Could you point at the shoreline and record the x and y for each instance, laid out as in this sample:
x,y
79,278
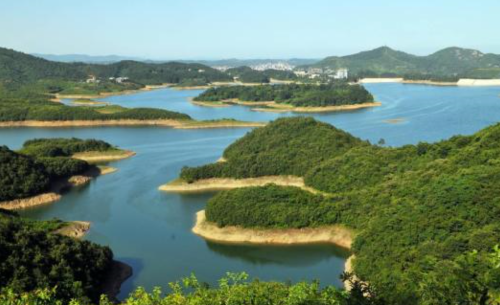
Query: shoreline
x,y
429,82
176,124
74,229
219,184
465,82
119,272
380,80
57,189
58,97
337,235
221,124
91,157
469,82
210,104
283,108
272,106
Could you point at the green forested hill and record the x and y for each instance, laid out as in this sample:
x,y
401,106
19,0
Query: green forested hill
x,y
417,208
32,257
248,75
20,67
284,147
384,61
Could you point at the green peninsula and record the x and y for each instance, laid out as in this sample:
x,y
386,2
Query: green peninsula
x,y
43,168
416,209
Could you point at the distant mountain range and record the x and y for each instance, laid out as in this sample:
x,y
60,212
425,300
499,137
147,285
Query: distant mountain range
x,y
447,64
450,62
70,58
18,67
386,61
229,63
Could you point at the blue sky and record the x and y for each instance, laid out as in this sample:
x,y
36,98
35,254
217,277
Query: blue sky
x,y
214,29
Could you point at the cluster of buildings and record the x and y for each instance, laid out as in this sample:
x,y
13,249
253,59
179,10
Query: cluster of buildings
x,y
318,72
94,80
281,66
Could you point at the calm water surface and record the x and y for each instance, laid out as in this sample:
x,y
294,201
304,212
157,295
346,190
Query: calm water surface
x,y
150,230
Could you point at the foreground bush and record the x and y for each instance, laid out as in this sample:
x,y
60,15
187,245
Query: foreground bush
x,y
234,289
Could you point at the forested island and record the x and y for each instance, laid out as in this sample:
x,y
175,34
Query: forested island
x,y
295,97
43,168
425,216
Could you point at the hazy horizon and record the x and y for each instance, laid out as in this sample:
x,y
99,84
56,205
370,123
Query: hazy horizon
x,y
222,29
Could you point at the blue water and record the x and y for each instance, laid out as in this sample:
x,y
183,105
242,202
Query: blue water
x,y
151,230
430,113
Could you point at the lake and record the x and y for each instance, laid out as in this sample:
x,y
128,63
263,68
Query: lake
x,y
151,230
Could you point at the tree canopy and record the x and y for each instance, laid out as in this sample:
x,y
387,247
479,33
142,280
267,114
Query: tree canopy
x,y
312,95
416,208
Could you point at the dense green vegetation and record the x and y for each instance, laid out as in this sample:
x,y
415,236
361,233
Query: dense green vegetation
x,y
63,147
20,67
41,162
32,258
248,75
265,207
232,289
21,110
417,208
470,279
283,147
447,63
20,176
332,94
280,74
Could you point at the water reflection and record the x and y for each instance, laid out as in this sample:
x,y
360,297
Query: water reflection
x,y
299,256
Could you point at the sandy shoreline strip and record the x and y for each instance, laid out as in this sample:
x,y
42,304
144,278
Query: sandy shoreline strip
x,y
58,97
160,123
210,104
461,82
211,125
106,170
75,229
286,108
103,156
272,106
84,123
376,80
56,190
26,203
218,184
336,235
478,82
429,82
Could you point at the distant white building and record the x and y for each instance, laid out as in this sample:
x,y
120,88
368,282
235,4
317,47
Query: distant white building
x,y
341,74
281,66
92,80
300,73
222,68
121,79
